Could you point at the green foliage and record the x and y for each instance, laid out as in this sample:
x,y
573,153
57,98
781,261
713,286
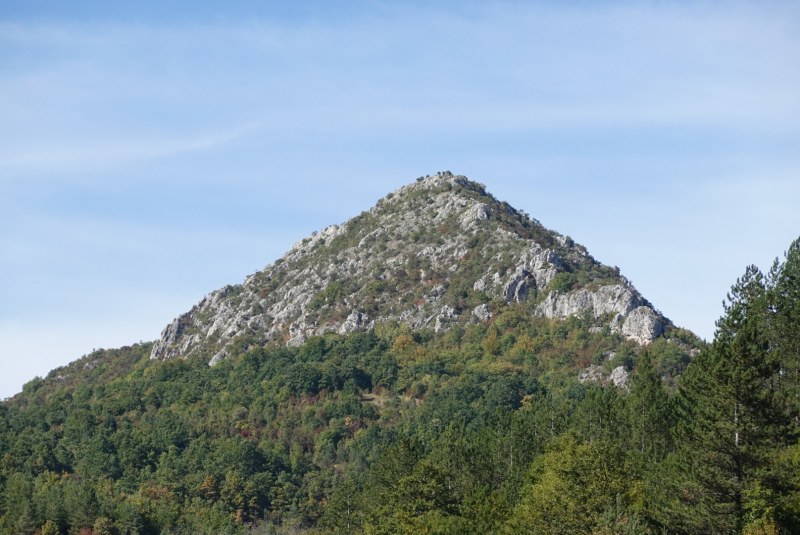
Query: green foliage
x,y
50,528
573,487
332,294
103,526
650,414
738,414
563,282
482,429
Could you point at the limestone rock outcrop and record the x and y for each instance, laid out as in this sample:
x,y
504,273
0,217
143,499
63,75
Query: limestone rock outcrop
x,y
436,253
609,299
643,325
618,377
632,315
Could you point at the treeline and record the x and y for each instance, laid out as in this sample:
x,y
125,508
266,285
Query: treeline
x,y
484,429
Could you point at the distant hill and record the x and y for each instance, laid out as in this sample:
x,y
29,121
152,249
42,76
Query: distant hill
x,y
438,252
441,364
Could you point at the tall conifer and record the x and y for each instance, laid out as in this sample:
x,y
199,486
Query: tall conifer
x,y
736,417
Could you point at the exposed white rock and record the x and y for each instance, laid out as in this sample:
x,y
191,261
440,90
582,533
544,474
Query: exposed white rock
x,y
317,238
544,265
475,214
516,289
619,377
445,318
593,373
166,346
632,315
435,293
218,356
356,321
298,334
535,269
257,322
565,241
398,261
610,299
643,325
481,312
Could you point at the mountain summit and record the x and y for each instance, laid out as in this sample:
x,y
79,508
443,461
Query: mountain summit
x,y
438,252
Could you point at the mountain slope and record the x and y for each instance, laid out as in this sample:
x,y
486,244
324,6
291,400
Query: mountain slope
x,y
437,252
466,348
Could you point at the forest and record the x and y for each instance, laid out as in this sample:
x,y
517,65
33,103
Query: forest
x,y
480,429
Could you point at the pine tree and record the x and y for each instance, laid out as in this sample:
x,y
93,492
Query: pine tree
x,y
734,416
649,413
784,303
784,332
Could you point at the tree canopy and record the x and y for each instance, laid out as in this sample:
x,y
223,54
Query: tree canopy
x,y
480,429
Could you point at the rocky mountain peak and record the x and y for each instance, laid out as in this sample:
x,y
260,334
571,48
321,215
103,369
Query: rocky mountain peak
x,y
437,252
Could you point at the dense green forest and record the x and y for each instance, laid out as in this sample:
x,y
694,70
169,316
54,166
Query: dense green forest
x,y
480,429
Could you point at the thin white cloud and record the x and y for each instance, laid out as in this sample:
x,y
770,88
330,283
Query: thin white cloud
x,y
510,69
99,154
390,93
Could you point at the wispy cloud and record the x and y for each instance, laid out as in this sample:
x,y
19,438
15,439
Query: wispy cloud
x,y
130,152
104,89
100,153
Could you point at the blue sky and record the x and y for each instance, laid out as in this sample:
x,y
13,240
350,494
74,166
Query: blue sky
x,y
149,155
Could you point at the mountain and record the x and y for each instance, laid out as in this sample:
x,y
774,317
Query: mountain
x,y
441,363
438,252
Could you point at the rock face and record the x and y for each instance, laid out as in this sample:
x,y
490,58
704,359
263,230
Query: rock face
x,y
632,315
615,299
438,252
595,374
643,324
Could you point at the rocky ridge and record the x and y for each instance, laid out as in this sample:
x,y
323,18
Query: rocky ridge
x,y
437,252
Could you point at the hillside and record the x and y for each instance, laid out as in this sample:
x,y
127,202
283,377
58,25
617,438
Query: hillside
x,y
439,364
438,252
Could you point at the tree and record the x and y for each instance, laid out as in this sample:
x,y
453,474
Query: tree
x,y
50,528
80,502
574,488
784,306
734,416
649,413
19,512
103,526
343,515
784,333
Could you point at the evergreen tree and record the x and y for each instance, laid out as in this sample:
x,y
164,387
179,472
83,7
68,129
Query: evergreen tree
x,y
576,488
784,303
734,417
649,414
784,332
